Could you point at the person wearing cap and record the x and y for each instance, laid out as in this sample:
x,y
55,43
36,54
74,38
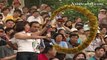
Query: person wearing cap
x,y
102,14
9,24
86,30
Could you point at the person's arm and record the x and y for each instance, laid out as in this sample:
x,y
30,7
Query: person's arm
x,y
45,28
66,28
10,43
25,36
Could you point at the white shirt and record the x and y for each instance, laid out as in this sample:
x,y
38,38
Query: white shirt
x,y
36,45
38,19
25,45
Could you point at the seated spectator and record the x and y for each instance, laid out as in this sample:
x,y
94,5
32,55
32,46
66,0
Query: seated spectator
x,y
79,56
9,24
6,52
58,39
73,42
48,53
99,52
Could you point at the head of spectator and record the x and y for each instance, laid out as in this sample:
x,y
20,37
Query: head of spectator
x,y
5,11
23,17
22,26
48,9
9,23
79,25
35,14
74,39
2,4
78,20
79,55
80,30
103,10
16,4
34,26
25,10
58,37
49,51
42,7
61,31
9,32
99,52
103,31
34,7
65,18
17,13
68,24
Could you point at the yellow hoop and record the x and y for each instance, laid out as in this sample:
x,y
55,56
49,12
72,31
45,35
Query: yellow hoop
x,y
93,28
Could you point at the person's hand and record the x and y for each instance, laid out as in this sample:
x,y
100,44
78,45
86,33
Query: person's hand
x,y
48,35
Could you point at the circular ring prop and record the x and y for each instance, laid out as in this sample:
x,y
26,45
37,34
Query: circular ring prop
x,y
92,23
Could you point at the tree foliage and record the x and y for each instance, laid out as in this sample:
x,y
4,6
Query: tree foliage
x,y
92,5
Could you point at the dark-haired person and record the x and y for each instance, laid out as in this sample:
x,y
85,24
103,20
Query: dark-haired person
x,y
35,28
48,53
6,52
35,16
58,39
24,39
5,12
9,24
99,52
73,42
79,56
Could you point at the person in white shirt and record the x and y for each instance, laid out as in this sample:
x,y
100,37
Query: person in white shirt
x,y
24,39
35,16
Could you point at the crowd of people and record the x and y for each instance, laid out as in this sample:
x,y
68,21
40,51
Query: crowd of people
x,y
29,34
